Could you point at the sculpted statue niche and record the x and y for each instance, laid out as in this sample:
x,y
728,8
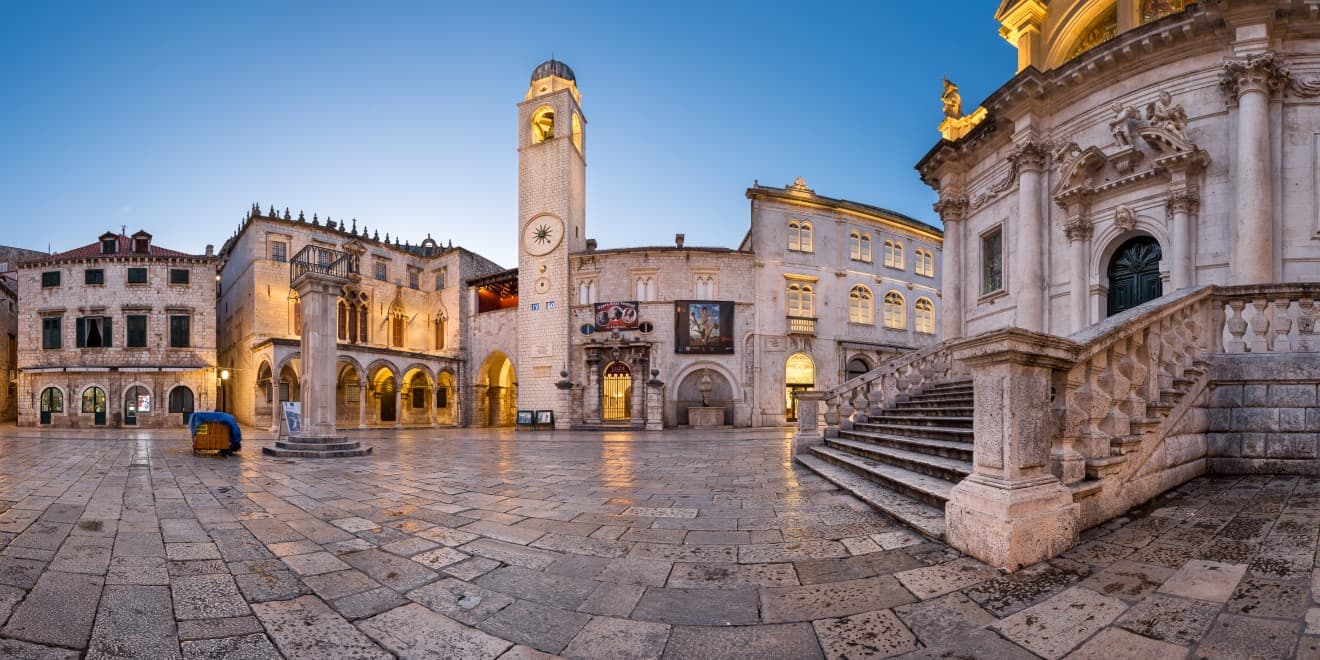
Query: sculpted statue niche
x,y
1164,114
1121,125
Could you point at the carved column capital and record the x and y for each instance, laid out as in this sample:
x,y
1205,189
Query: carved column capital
x,y
952,207
1254,73
1030,155
1078,228
1184,201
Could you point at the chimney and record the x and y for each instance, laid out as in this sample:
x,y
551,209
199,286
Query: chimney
x,y
678,240
210,250
591,245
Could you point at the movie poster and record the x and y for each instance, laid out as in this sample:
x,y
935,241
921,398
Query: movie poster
x,y
616,315
703,326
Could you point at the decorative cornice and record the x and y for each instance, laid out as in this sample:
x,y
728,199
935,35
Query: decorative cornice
x,y
1253,73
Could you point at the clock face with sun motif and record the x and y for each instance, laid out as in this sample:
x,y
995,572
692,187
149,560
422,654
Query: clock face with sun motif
x,y
542,235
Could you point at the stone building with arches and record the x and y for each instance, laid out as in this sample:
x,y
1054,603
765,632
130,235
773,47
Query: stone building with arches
x,y
399,325
117,333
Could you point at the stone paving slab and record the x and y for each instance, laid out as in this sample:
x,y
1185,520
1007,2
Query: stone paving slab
x,y
707,549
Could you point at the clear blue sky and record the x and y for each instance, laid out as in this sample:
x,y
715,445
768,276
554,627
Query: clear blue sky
x,y
175,117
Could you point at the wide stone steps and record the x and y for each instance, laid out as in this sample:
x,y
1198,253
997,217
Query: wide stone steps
x,y
922,517
906,458
923,487
947,448
948,469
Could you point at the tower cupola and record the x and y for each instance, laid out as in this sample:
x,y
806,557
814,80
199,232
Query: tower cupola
x,y
551,76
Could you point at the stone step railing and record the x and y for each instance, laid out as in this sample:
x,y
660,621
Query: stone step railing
x,y
888,383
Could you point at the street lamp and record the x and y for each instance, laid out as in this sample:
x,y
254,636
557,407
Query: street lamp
x,y
223,377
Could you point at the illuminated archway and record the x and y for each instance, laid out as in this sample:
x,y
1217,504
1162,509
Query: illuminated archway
x,y
799,375
497,391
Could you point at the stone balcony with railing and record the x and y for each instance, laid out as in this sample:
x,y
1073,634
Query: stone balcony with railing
x,y
1068,432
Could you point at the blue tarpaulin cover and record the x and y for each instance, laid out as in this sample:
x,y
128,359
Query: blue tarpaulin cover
x,y
235,434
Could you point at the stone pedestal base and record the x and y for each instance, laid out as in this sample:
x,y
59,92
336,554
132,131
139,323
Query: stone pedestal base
x,y
316,446
705,418
1011,524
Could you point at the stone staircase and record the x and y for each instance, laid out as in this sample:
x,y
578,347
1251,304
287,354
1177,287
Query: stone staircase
x,y
304,447
905,460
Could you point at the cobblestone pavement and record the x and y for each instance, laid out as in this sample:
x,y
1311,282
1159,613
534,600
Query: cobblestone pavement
x,y
472,544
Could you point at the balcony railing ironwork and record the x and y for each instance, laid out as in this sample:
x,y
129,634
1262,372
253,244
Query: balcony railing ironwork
x,y
317,259
802,325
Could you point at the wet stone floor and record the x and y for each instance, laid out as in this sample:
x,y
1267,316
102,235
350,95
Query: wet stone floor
x,y
461,544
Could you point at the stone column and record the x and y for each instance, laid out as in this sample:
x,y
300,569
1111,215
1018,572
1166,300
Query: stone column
x,y
362,403
952,208
1012,512
1251,81
808,421
593,412
398,404
1181,205
319,293
1027,278
1078,230
655,404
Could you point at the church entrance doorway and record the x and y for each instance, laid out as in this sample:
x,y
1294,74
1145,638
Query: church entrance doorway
x,y
616,393
799,376
1134,274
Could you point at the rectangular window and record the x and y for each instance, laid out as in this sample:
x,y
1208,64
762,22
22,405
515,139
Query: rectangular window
x,y
94,276
414,278
179,276
137,331
109,245
137,275
382,271
179,334
279,251
50,333
418,398
92,332
440,279
50,278
992,261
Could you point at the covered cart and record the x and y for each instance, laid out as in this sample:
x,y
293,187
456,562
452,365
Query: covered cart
x,y
215,431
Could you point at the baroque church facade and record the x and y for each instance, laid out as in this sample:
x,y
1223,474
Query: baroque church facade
x,y
1130,283
819,290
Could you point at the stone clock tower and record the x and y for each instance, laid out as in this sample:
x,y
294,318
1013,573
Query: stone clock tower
x,y
551,224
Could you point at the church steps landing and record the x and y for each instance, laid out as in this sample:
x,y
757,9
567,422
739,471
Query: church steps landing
x,y
904,458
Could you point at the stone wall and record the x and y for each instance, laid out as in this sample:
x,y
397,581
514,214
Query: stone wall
x,y
1263,415
8,353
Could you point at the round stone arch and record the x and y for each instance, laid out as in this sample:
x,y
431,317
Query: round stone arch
x,y
1071,28
124,402
685,394
416,409
1106,243
352,363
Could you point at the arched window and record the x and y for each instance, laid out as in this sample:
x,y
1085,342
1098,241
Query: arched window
x,y
860,309
296,313
343,320
894,310
362,324
439,334
181,400
859,247
577,132
645,288
704,288
893,254
543,125
397,321
925,262
924,316
799,235
801,300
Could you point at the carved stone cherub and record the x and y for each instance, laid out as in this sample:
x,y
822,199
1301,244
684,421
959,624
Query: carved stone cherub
x,y
1168,116
1121,125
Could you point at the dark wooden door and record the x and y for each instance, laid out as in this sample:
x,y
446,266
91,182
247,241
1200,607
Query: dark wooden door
x,y
1134,274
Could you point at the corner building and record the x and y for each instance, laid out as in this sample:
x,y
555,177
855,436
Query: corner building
x,y
120,332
